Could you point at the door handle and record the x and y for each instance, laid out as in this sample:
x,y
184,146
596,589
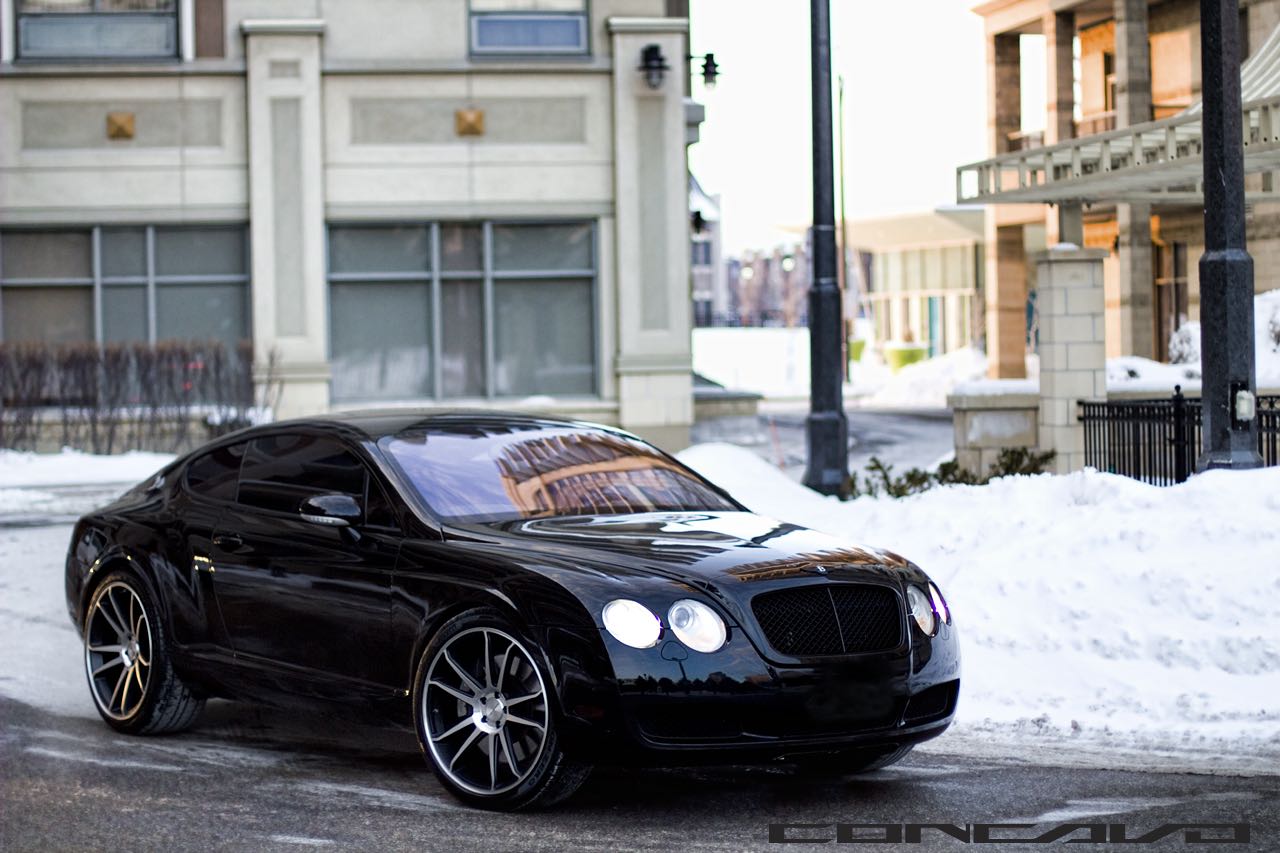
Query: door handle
x,y
229,542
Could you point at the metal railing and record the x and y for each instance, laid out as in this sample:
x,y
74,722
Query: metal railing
x,y
1158,441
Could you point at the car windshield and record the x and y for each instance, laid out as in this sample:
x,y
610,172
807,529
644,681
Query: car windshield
x,y
482,473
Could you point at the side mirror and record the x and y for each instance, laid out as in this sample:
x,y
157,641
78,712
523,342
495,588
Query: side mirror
x,y
332,510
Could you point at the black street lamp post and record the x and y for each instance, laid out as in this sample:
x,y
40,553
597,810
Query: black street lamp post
x,y
826,429
1226,270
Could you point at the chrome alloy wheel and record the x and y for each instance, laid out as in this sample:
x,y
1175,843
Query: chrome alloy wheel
x,y
117,651
485,710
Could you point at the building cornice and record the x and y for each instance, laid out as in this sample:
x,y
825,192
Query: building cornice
x,y
283,26
648,25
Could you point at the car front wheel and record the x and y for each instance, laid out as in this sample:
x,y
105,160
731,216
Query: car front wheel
x,y
486,719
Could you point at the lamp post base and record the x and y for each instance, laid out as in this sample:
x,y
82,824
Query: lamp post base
x,y
1241,458
827,440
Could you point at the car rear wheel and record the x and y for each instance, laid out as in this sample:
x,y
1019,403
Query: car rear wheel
x,y
486,719
127,663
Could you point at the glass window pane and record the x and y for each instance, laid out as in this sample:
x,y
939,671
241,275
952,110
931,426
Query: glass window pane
x,y
200,251
280,471
46,254
55,5
462,334
62,36
380,340
124,252
214,475
517,32
55,315
543,338
534,248
202,312
461,248
362,249
124,313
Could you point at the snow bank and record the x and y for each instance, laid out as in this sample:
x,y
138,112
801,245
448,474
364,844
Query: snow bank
x,y
71,467
1091,608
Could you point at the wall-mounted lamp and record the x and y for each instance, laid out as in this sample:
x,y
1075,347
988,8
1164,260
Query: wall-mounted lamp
x,y
653,65
710,70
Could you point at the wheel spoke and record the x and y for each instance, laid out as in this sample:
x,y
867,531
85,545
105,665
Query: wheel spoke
x,y
517,700
452,691
512,718
466,677
488,666
144,661
111,620
122,681
506,659
462,724
507,749
115,608
137,676
471,738
493,762
113,649
114,661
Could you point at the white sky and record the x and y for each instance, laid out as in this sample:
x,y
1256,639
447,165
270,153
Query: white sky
x,y
915,108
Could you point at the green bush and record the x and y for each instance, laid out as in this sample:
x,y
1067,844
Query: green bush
x,y
879,479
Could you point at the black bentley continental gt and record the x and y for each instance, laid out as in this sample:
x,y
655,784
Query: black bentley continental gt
x,y
543,594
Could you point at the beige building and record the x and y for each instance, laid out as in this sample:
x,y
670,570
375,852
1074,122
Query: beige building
x,y
430,202
922,276
1114,163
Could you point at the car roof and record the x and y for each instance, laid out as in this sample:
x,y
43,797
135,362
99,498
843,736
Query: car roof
x,y
377,423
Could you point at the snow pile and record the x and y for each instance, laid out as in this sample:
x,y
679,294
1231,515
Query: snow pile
x,y
1143,374
927,384
72,467
769,361
1092,608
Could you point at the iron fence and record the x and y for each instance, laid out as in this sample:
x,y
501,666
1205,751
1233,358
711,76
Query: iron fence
x,y
1157,441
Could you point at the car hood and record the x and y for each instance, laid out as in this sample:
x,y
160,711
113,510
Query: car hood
x,y
724,549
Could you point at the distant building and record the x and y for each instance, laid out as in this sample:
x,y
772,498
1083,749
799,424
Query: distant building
x,y
922,275
769,288
707,268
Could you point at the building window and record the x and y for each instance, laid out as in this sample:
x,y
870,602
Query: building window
x,y
520,27
462,309
701,253
97,29
125,284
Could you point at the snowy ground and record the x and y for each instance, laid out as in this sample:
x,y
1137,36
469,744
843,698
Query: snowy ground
x,y
1101,619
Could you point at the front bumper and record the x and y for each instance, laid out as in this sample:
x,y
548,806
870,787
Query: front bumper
x,y
674,706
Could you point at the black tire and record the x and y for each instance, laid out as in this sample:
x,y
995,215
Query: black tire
x,y
850,762
553,776
167,704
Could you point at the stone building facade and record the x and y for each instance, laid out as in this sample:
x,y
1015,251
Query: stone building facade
x,y
426,202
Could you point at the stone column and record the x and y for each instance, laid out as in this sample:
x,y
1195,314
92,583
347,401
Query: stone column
x,y
286,209
1004,90
1133,106
1059,35
1006,296
654,361
1072,347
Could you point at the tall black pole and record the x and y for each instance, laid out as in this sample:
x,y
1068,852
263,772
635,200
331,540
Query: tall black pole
x,y
1226,270
826,430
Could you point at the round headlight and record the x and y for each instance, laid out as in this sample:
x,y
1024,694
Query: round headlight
x,y
697,625
939,603
632,623
921,609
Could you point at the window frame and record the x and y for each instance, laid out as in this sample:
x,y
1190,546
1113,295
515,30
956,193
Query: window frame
x,y
487,277
152,280
176,16
476,51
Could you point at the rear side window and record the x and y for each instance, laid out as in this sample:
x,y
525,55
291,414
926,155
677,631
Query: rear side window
x,y
214,474
280,471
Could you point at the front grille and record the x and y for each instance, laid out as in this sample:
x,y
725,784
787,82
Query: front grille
x,y
841,619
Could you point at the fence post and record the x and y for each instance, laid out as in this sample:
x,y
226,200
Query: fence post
x,y
1181,446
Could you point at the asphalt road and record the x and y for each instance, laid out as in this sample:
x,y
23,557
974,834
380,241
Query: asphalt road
x,y
256,778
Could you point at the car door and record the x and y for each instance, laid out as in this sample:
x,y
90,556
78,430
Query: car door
x,y
310,599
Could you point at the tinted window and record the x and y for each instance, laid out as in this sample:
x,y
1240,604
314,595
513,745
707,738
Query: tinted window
x,y
505,472
281,470
214,474
377,508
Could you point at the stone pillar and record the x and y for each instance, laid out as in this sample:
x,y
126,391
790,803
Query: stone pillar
x,y
1072,347
1004,90
1060,102
654,360
286,209
1006,300
1133,106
